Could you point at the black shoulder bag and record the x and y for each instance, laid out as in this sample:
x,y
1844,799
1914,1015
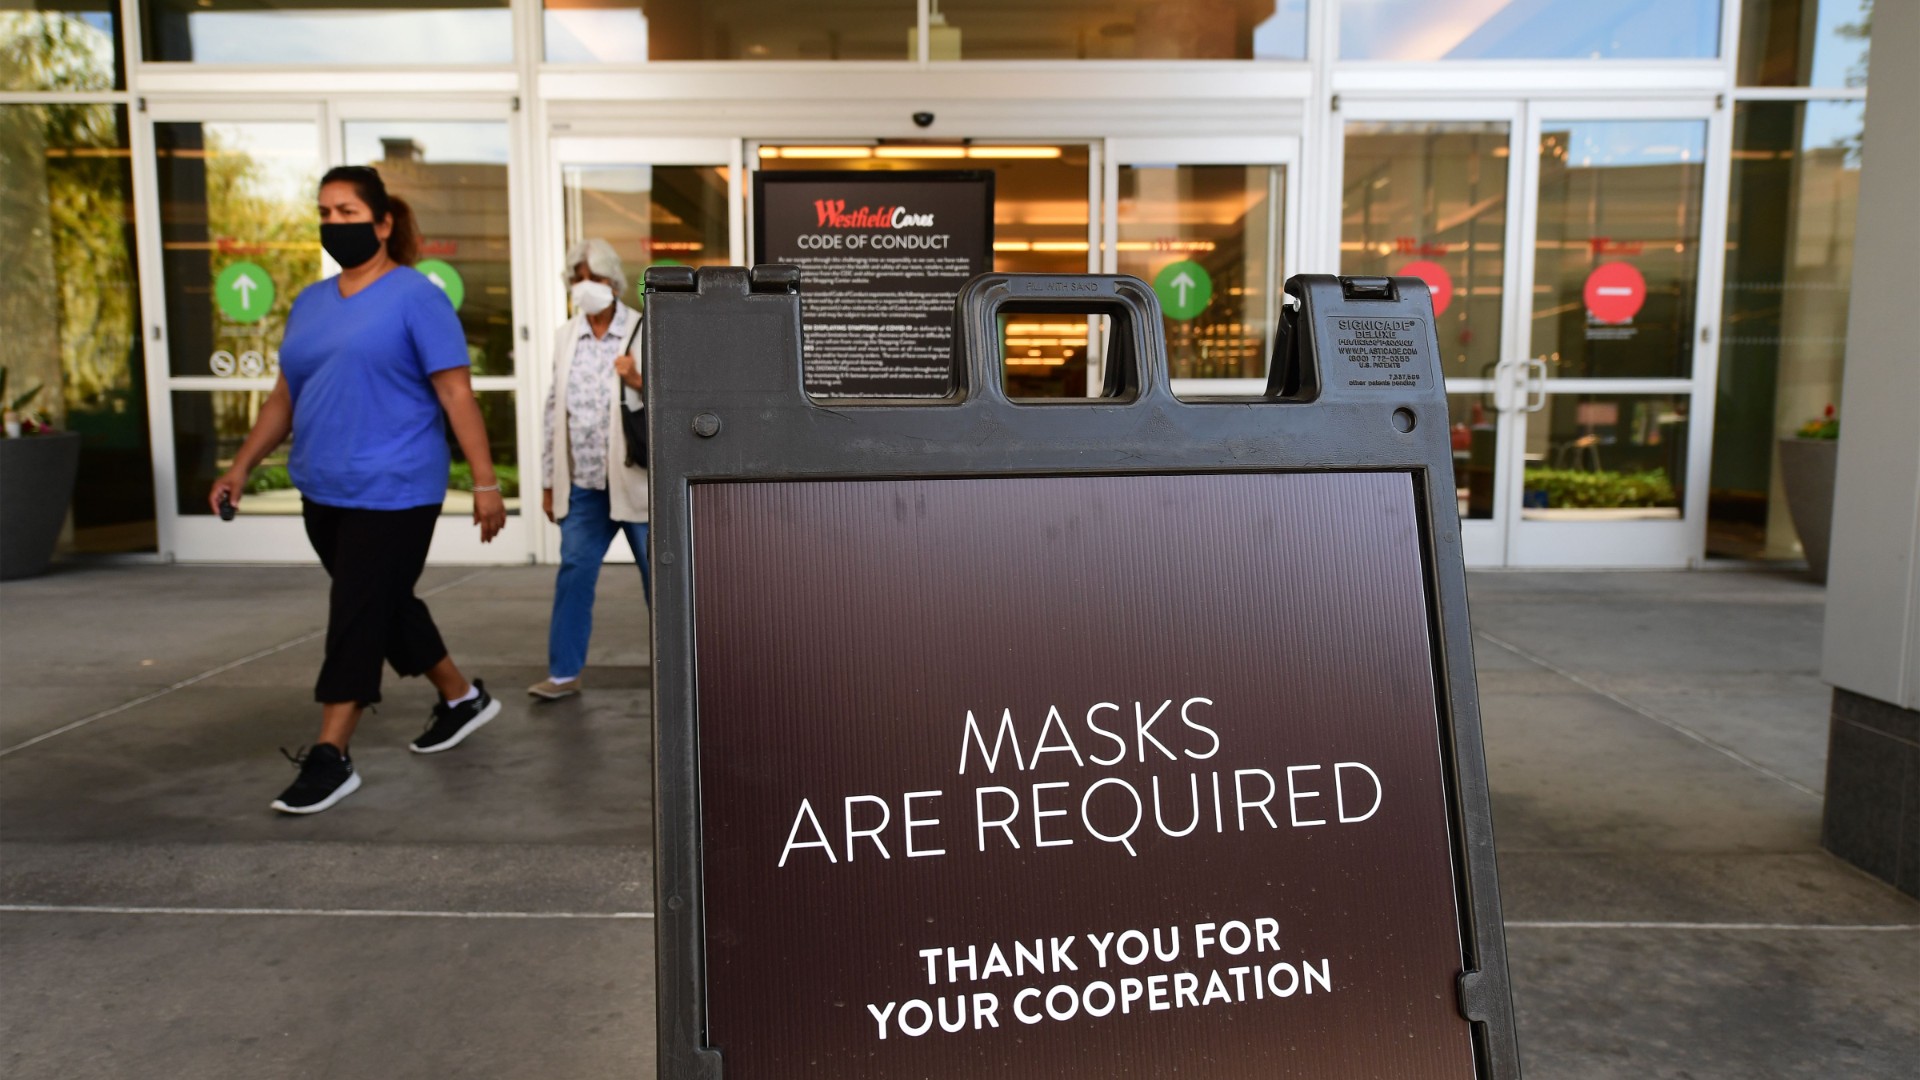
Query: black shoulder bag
x,y
633,420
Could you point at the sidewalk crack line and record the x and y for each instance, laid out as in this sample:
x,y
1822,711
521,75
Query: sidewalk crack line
x,y
1847,928
1649,714
349,913
205,675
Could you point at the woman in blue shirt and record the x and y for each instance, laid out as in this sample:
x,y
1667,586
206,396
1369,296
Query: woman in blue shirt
x,y
373,368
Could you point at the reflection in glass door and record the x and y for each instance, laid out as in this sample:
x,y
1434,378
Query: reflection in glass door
x,y
1432,198
1569,357
239,240
1206,223
70,298
1603,455
659,202
653,215
453,173
1206,235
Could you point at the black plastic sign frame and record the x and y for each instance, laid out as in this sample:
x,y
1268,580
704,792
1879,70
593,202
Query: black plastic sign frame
x,y
1220,805
882,255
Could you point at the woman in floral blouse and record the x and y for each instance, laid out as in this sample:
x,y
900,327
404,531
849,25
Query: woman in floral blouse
x,y
588,488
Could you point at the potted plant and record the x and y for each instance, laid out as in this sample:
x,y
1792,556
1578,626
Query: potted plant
x,y
1807,461
37,469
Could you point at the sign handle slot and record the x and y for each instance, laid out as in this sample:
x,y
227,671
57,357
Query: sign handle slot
x,y
1136,368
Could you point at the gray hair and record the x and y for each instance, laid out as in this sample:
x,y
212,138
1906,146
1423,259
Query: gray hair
x,y
600,258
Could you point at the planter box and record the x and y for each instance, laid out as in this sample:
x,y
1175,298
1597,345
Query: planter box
x,y
1806,471
36,484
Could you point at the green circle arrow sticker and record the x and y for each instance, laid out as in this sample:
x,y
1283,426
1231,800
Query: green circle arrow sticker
x,y
445,276
1184,288
244,292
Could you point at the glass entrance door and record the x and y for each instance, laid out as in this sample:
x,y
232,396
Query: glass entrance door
x,y
1567,322
452,163
1607,458
1206,222
1429,192
240,239
659,202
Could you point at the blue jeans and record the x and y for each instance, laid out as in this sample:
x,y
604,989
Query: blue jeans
x,y
585,534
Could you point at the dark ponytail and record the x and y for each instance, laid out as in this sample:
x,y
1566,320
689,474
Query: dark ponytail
x,y
403,244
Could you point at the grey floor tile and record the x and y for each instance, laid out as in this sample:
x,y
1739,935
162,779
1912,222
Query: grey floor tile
x,y
1578,772
92,997
1602,815
201,765
103,623
1777,719
1691,1005
1698,887
1646,633
305,874
32,709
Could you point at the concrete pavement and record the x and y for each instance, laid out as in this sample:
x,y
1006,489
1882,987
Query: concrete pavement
x,y
1656,746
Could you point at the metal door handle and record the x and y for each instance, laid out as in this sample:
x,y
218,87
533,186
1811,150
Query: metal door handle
x,y
1503,385
1534,388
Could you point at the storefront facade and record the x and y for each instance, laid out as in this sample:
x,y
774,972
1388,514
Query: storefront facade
x,y
1637,215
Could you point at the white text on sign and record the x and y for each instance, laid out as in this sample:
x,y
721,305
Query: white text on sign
x,y
1227,963
1111,809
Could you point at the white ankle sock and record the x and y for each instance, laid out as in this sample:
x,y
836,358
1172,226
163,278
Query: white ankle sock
x,y
472,692
558,681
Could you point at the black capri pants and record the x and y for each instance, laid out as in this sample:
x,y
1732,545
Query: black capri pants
x,y
374,558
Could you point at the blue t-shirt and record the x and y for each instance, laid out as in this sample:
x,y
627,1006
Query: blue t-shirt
x,y
368,432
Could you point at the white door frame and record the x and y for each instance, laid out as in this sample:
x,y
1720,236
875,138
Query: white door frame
x,y
274,538
282,538
1507,539
1625,544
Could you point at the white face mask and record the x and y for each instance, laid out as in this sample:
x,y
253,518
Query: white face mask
x,y
592,297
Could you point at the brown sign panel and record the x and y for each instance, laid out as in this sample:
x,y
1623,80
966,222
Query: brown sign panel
x,y
1073,776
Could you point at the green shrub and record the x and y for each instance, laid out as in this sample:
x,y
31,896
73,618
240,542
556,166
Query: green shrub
x,y
1576,488
269,478
1826,426
460,478
20,401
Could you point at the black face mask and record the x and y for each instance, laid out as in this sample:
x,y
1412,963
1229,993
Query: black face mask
x,y
350,244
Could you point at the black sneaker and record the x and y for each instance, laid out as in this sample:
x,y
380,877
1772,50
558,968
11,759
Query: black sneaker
x,y
453,723
327,775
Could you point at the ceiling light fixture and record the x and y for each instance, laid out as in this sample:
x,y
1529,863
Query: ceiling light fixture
x,y
797,153
1013,152
921,152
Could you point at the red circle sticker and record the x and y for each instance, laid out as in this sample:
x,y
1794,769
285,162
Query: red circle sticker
x,y
1437,279
1615,292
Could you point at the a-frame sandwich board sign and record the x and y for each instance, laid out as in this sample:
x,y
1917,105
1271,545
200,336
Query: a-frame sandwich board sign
x,y
1130,736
